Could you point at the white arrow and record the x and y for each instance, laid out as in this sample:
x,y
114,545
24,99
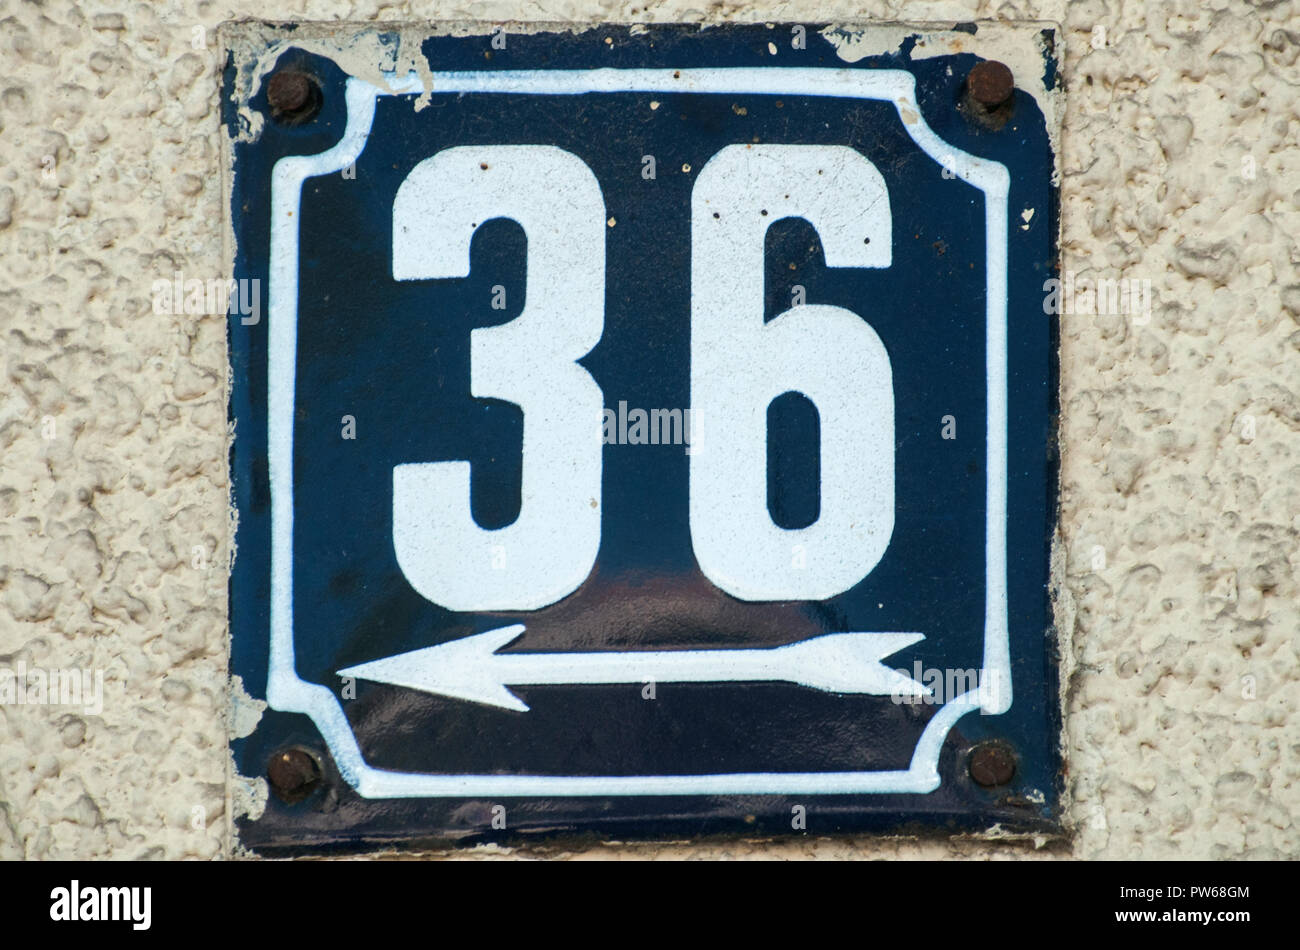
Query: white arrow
x,y
471,668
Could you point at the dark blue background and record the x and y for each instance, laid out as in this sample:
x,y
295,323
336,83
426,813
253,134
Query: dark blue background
x,y
395,356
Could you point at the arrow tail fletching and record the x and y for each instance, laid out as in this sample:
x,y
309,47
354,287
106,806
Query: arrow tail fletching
x,y
851,663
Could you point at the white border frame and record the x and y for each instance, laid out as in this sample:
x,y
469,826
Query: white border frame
x,y
288,693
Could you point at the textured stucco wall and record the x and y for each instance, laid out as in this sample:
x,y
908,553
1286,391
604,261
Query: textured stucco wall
x,y
1180,481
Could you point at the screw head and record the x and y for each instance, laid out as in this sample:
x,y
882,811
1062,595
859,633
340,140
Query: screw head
x,y
990,84
293,96
992,764
294,774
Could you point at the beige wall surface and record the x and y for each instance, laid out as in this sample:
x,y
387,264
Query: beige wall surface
x,y
1180,480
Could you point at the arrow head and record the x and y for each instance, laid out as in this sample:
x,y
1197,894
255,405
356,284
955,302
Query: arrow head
x,y
461,669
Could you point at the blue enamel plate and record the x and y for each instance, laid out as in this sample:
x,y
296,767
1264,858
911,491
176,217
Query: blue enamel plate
x,y
641,431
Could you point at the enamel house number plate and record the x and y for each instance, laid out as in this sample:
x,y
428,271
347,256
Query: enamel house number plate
x,y
641,431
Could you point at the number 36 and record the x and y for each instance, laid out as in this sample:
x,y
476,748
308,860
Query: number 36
x,y
739,364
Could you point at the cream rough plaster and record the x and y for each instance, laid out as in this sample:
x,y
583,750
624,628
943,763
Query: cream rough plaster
x,y
102,526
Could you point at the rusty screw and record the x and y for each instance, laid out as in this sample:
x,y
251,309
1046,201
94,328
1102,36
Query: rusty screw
x,y
990,84
293,96
294,774
992,764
